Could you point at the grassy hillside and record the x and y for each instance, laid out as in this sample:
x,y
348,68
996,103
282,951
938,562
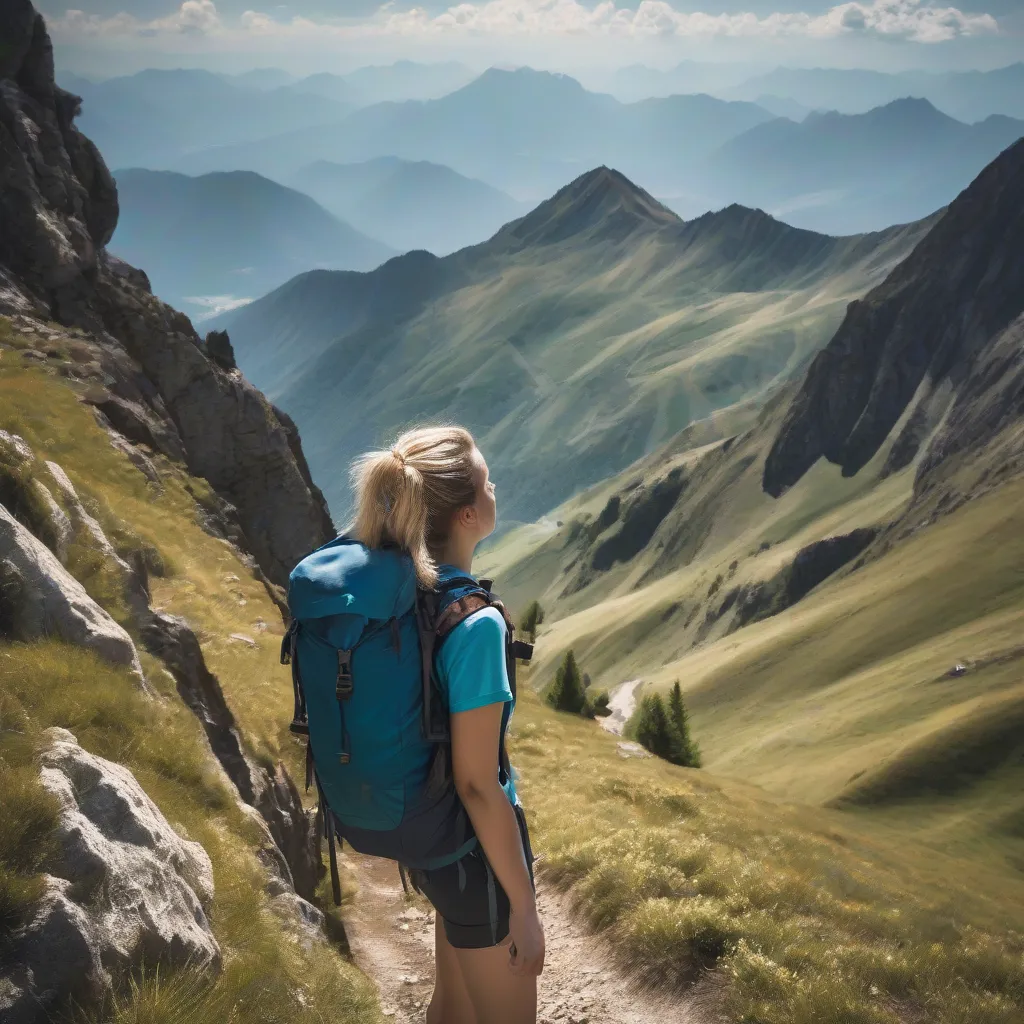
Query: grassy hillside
x,y
806,916
268,974
849,698
579,338
803,915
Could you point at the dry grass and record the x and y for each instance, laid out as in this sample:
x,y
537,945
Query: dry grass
x,y
268,976
809,919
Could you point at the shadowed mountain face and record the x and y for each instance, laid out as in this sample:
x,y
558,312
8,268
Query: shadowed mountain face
x,y
839,173
940,336
575,340
210,240
409,205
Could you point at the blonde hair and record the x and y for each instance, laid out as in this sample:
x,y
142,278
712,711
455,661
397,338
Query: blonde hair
x,y
409,493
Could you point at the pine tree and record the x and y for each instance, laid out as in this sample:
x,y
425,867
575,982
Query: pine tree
x,y
666,732
686,752
567,693
654,730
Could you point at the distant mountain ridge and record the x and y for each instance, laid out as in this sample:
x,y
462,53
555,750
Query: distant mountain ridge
x,y
409,204
966,95
231,235
840,172
576,339
152,118
526,132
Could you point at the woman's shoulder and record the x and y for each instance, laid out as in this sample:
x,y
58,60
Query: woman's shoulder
x,y
482,626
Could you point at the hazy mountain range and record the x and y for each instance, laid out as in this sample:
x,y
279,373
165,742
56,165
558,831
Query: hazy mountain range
x,y
847,173
578,338
409,205
154,117
966,95
215,240
525,132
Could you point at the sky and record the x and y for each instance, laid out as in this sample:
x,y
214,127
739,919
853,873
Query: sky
x,y
106,37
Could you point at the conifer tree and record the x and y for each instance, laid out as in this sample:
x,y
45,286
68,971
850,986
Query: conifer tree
x,y
687,752
653,730
567,693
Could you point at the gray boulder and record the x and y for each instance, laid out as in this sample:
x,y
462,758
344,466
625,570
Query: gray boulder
x,y
39,597
123,890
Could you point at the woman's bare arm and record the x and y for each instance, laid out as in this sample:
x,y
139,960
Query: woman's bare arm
x,y
475,736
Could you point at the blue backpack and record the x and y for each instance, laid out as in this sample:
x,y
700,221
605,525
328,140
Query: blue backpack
x,y
361,646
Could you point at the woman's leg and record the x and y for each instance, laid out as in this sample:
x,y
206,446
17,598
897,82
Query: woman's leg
x,y
450,1002
498,995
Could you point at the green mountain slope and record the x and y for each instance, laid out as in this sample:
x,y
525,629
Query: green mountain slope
x,y
222,237
409,205
855,640
576,340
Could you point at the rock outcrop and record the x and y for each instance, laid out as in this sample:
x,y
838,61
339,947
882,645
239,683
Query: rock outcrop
x,y
39,597
124,891
812,565
272,794
58,209
935,328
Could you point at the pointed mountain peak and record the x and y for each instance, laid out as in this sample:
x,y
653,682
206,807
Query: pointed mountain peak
x,y
603,203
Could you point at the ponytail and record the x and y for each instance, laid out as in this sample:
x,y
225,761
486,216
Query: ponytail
x,y
408,494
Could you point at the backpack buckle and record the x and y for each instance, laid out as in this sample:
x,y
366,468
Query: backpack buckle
x,y
343,687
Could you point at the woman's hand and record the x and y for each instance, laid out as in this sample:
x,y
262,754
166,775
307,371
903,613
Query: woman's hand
x,y
526,952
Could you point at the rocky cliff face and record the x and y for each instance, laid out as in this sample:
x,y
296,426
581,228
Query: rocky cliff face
x,y
58,209
122,889
933,346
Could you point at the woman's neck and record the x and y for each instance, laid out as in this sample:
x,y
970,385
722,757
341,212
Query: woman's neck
x,y
458,552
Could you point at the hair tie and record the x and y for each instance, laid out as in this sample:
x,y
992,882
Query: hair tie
x,y
398,455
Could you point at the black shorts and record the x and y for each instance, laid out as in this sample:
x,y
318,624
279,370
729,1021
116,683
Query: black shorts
x,y
469,898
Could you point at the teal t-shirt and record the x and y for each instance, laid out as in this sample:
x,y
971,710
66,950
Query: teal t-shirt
x,y
471,665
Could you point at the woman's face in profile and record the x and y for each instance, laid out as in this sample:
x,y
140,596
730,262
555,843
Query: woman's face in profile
x,y
485,505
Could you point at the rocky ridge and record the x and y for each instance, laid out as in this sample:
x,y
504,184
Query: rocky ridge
x,y
937,337
58,210
122,890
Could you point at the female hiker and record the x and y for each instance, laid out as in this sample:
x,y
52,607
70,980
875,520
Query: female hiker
x,y
422,507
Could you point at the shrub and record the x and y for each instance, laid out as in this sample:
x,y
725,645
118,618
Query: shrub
x,y
532,619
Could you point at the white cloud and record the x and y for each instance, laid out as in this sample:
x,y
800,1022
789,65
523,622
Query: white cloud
x,y
919,21
193,17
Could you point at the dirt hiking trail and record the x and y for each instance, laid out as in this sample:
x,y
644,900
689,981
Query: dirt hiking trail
x,y
392,940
